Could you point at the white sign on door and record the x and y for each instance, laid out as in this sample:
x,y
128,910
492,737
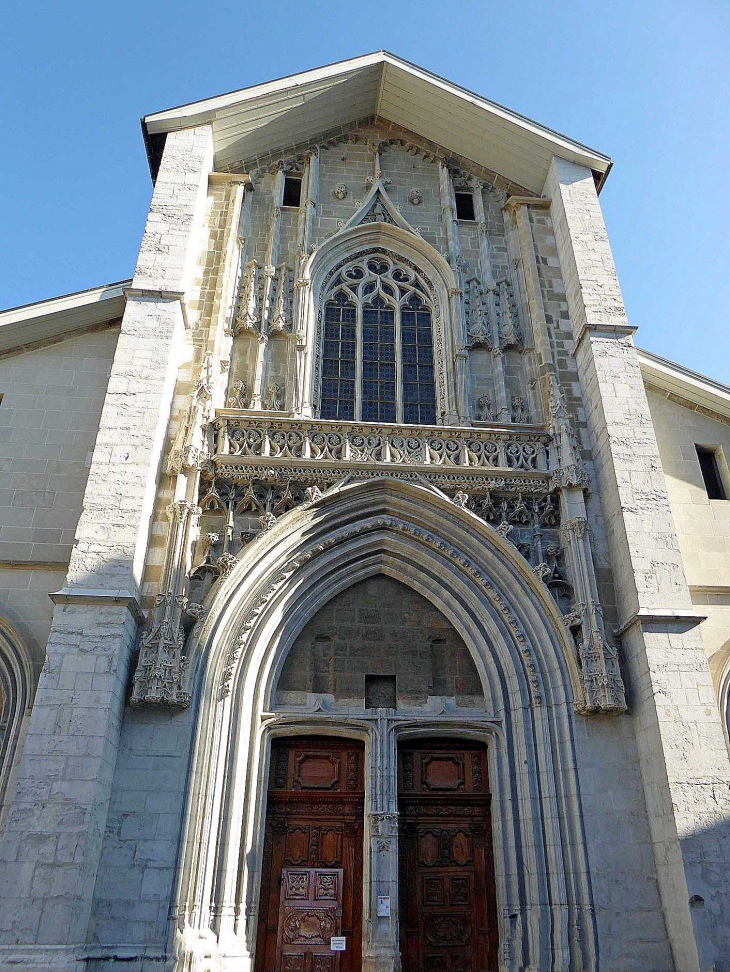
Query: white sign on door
x,y
337,943
383,906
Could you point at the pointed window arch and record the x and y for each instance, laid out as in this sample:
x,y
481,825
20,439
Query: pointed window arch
x,y
378,354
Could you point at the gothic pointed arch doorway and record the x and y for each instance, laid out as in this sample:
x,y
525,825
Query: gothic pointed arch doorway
x,y
528,679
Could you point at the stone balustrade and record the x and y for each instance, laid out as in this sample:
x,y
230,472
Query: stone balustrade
x,y
257,438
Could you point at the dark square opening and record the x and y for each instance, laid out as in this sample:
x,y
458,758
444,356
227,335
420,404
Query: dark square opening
x,y
292,191
465,205
380,692
711,473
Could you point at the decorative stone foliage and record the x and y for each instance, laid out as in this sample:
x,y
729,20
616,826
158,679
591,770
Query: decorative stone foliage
x,y
347,443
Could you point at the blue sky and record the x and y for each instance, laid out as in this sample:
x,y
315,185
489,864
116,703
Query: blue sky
x,y
647,82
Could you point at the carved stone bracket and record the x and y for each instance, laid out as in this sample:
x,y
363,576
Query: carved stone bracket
x,y
160,678
161,675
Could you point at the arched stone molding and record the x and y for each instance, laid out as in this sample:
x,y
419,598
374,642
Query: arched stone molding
x,y
530,680
447,320
16,685
723,695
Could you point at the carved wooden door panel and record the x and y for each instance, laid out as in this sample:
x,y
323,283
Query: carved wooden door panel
x,y
447,898
310,914
314,827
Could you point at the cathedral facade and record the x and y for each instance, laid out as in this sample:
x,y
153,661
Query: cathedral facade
x,y
364,590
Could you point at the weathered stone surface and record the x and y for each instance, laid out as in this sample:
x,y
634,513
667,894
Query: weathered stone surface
x,y
487,572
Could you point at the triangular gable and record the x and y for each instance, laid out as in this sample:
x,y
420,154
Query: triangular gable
x,y
377,207
269,117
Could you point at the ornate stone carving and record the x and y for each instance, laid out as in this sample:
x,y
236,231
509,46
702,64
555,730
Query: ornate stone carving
x,y
267,521
249,317
239,397
377,213
510,334
520,412
566,463
281,318
600,672
476,311
410,529
257,439
415,197
340,191
274,400
189,450
161,674
484,409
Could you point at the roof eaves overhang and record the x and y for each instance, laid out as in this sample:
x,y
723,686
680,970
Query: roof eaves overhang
x,y
48,319
684,384
544,141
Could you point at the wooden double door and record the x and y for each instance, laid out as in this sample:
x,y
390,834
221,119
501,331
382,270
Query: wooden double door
x,y
311,884
448,918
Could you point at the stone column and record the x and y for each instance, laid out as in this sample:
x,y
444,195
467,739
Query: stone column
x,y
682,752
55,827
380,952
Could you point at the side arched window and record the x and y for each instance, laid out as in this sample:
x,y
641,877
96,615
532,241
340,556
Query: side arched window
x,y
377,360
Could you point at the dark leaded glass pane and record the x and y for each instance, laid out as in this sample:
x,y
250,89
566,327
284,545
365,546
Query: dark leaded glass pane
x,y
338,362
378,352
419,402
410,413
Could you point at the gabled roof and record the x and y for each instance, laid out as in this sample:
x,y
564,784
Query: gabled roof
x,y
293,110
676,380
46,319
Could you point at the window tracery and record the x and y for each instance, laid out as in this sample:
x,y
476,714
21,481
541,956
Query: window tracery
x,y
378,344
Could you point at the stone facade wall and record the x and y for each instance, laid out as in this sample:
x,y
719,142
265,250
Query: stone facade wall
x,y
380,626
54,832
682,753
636,800
703,525
52,396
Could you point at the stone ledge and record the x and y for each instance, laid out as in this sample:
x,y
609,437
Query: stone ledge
x,y
607,330
146,293
99,596
679,616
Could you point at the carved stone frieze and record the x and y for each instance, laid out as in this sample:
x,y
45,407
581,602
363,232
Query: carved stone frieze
x,y
350,443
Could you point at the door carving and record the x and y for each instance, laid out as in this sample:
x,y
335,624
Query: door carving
x,y
311,883
448,916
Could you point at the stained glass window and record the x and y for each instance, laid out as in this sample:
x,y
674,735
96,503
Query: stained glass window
x,y
339,359
377,361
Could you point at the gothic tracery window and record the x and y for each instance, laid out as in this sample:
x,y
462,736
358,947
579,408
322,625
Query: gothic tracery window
x,y
377,359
